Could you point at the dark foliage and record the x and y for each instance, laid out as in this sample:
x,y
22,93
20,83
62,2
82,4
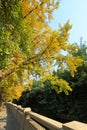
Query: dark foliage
x,y
60,107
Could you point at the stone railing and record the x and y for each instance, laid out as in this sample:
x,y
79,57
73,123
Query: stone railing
x,y
19,118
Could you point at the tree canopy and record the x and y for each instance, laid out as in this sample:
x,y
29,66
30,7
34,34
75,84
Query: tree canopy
x,y
28,46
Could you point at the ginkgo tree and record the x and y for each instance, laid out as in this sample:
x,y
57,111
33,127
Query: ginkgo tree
x,y
28,45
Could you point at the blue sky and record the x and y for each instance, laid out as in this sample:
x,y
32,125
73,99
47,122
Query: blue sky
x,y
76,12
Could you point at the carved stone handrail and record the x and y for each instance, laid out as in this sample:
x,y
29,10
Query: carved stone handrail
x,y
19,118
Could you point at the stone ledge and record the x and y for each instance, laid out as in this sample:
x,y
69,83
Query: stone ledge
x,y
75,125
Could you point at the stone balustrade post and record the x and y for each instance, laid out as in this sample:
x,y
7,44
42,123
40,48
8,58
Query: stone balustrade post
x,y
25,116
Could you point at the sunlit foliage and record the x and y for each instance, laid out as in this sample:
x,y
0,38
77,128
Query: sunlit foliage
x,y
28,46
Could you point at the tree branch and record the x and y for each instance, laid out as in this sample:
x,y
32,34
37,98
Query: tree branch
x,y
28,61
7,73
32,10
